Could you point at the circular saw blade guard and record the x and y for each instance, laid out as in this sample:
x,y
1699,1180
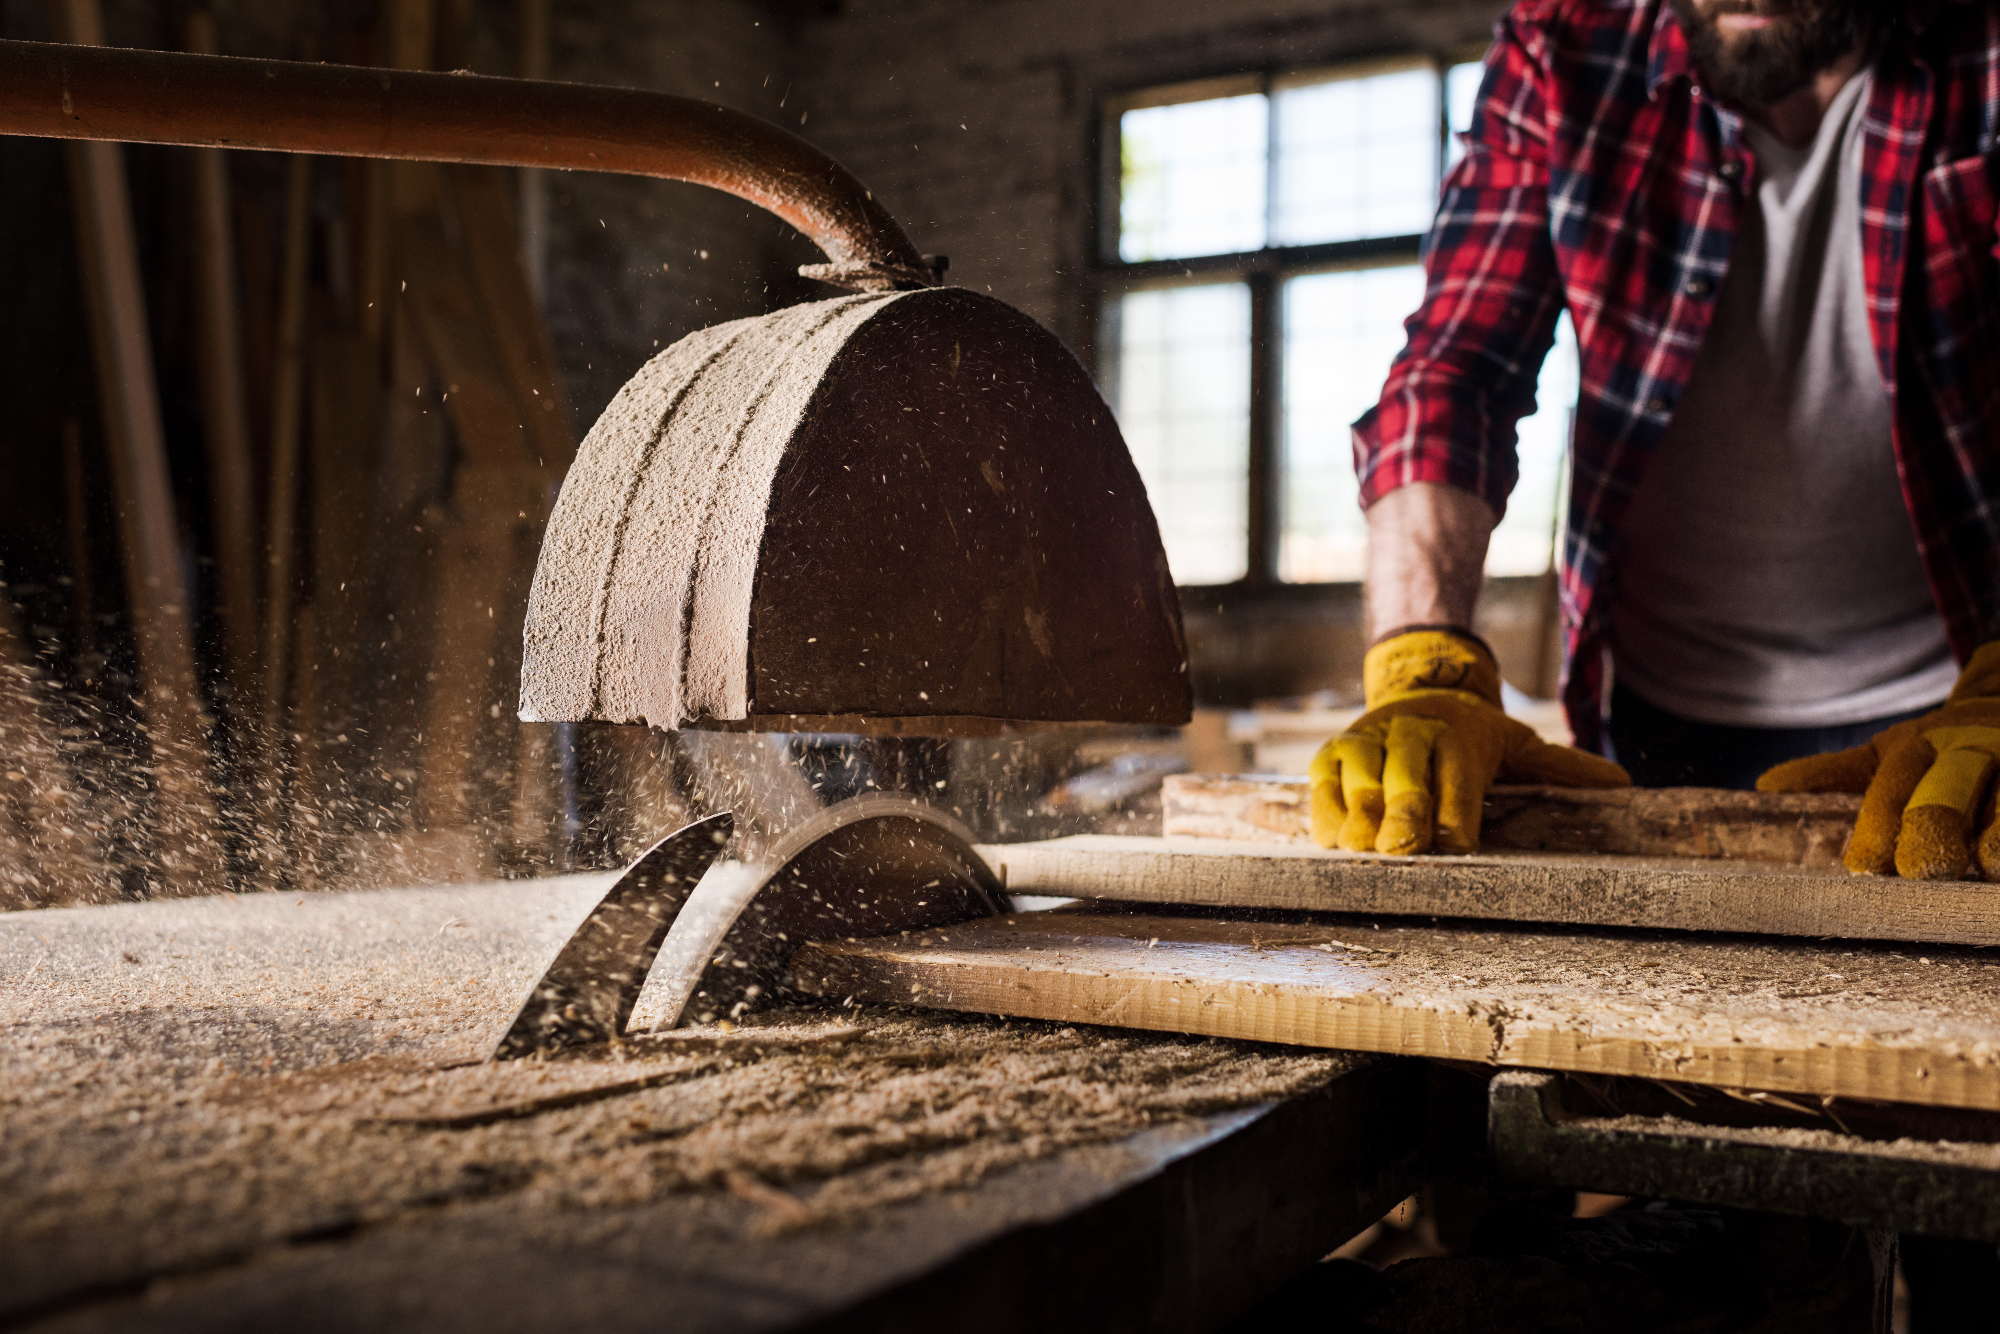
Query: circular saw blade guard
x,y
872,866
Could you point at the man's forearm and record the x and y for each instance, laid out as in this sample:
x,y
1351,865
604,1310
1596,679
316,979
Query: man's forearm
x,y
1426,554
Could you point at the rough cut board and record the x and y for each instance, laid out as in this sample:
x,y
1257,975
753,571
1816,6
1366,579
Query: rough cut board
x,y
1835,1021
1803,829
1687,894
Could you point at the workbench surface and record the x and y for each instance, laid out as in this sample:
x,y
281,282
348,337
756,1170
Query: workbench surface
x,y
1908,1024
270,1111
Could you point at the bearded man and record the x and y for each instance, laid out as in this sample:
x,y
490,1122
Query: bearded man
x,y
1773,226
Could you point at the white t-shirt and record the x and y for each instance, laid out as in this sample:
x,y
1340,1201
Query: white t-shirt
x,y
1767,570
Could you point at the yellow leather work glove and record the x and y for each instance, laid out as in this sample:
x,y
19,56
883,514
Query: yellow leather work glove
x,y
1927,785
1412,772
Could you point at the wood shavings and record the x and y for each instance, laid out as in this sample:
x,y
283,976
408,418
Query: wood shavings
x,y
194,1128
812,1132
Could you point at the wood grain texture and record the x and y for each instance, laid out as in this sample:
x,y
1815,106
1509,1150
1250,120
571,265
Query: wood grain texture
x,y
1845,1022
1802,829
1688,894
227,438
281,527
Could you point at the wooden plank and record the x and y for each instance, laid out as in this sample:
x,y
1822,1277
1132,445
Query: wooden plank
x,y
459,340
413,470
535,824
454,34
492,248
260,303
76,522
287,423
300,864
1800,828
473,571
469,732
390,191
225,407
1681,895
187,856
349,531
1844,1022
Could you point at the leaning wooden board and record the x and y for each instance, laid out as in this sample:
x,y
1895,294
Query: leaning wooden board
x,y
1687,859
1833,1021
1686,894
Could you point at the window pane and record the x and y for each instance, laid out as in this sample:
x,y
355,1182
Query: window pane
x,y
1341,332
1522,542
1461,91
1357,157
1193,178
1181,388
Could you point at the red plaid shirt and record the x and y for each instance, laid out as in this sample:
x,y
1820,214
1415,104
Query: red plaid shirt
x,y
1599,177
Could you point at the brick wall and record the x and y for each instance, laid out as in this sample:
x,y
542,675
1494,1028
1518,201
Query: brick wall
x,y
636,264
977,123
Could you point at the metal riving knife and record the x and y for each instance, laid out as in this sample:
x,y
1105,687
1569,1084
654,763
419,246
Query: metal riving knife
x,y
588,992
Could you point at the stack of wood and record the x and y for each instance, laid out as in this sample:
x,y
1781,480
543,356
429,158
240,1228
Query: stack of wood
x,y
1790,828
385,430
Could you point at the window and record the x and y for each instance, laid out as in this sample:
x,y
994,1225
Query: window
x,y
1259,258
1184,405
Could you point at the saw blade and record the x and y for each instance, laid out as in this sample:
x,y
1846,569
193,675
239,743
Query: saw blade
x,y
871,866
587,994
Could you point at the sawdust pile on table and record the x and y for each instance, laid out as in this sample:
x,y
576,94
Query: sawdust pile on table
x,y
811,1116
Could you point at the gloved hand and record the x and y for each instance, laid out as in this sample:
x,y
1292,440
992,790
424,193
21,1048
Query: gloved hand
x,y
1923,780
1412,772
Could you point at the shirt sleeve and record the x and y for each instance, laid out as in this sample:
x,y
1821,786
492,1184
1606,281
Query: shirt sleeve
x,y
1492,296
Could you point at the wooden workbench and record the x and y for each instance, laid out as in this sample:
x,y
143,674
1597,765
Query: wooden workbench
x,y
218,1112
257,1112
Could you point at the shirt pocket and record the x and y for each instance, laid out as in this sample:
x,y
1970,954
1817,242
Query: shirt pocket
x,y
1960,207
1961,288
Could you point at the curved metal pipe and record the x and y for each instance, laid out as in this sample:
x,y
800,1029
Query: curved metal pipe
x,y
52,90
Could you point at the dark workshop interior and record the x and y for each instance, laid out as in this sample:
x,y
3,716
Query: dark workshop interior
x,y
818,542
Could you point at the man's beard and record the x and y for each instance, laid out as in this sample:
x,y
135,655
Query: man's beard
x,y
1767,65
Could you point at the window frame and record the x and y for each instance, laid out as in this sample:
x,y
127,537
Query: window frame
x,y
1263,271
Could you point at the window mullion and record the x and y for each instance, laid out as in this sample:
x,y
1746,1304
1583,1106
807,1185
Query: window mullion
x,y
1270,163
1443,119
1266,421
1266,356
